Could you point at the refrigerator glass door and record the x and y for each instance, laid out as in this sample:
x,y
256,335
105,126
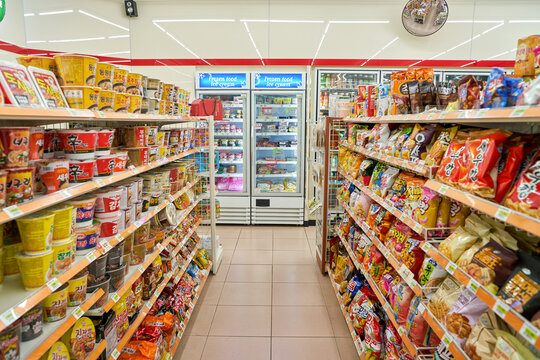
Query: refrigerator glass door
x,y
231,143
277,125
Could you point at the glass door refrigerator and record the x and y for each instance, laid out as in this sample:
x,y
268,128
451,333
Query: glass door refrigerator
x,y
232,143
278,121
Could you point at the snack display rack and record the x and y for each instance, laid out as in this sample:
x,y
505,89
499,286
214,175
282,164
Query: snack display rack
x,y
524,119
16,301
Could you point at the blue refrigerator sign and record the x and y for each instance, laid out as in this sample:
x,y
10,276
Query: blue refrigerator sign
x,y
222,80
278,81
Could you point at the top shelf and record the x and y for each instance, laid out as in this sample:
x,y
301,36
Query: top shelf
x,y
68,115
518,114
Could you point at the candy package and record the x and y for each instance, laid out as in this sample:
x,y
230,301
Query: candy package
x,y
446,93
525,194
495,93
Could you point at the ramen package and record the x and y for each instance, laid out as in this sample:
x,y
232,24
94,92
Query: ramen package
x,y
17,86
435,154
468,93
366,170
415,148
522,289
511,157
47,88
464,315
427,207
80,339
478,173
431,273
525,194
481,342
456,244
444,298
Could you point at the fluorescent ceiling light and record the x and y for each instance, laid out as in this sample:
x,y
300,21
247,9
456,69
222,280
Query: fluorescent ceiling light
x,y
359,21
436,56
283,21
159,26
253,42
118,36
378,52
523,21
173,69
472,62
474,21
192,20
320,43
56,12
501,54
492,28
115,53
418,62
29,14
76,40
103,20
36,41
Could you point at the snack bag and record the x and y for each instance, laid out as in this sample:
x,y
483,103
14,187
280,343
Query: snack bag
x,y
365,171
387,180
495,93
525,194
352,288
412,255
377,263
376,177
515,87
380,220
509,347
402,302
373,337
525,60
414,194
458,214
455,245
434,156
511,157
464,315
392,342
431,274
444,298
359,310
426,210
363,203
397,193
416,326
468,93
478,173
397,236
402,138
418,142
446,93
481,342
443,216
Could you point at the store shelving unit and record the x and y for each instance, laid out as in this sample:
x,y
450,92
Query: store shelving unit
x,y
16,301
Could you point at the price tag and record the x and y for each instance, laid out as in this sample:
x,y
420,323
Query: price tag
x,y
425,247
500,309
91,257
131,167
141,269
138,223
518,111
401,331
429,116
446,340
115,298
451,267
530,332
115,354
474,285
66,194
463,114
421,308
53,284
78,313
502,214
442,115
105,246
443,189
418,228
100,182
170,198
482,112
13,211
119,237
100,114
8,317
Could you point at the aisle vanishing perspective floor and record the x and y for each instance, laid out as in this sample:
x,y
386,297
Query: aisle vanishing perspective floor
x,y
268,301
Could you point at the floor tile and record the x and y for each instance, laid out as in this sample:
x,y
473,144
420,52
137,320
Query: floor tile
x,y
249,273
256,233
339,325
221,273
201,320
228,243
292,257
251,257
346,348
283,243
295,273
190,348
304,348
290,234
241,321
259,243
237,348
211,292
239,293
301,321
297,294
226,257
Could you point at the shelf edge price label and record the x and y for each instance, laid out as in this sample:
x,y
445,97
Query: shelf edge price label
x,y
502,214
78,313
13,211
115,354
115,298
500,309
530,332
451,267
474,285
141,269
91,257
66,194
8,317
443,189
482,112
421,308
446,340
100,182
518,111
53,284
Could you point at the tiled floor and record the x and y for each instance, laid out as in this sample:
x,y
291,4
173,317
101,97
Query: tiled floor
x,y
268,301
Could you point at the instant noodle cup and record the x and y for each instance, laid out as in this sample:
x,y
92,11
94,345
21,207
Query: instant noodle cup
x,y
153,88
53,175
109,227
15,146
51,143
35,270
62,251
84,207
48,88
1,266
87,237
36,232
117,278
10,265
160,138
102,284
108,202
77,288
114,257
37,143
57,351
142,233
135,104
10,342
120,161
32,323
81,171
104,141
106,100
41,62
126,260
82,97
162,152
17,86
119,80
96,270
138,156
145,104
80,339
134,83
128,244
121,102
153,153
152,135
104,75
167,92
19,185
76,70
78,144
63,220
55,305
135,136
3,179
153,106
104,165
138,255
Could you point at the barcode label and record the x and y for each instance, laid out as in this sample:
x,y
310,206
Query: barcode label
x,y
66,194
530,332
502,214
115,298
115,354
500,309
8,317
13,211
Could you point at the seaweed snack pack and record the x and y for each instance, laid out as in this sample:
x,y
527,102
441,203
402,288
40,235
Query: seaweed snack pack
x,y
525,194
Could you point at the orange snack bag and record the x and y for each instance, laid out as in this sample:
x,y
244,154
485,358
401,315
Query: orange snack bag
x,y
525,59
450,167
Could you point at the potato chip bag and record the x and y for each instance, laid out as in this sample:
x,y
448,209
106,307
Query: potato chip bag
x,y
444,298
426,210
388,147
451,163
387,180
456,244
416,326
458,214
402,302
478,173
468,93
414,194
366,170
377,263
392,342
511,157
525,59
434,156
376,177
397,236
359,310
416,146
431,274
402,138
443,216
525,194
481,342
509,347
412,255
373,337
397,193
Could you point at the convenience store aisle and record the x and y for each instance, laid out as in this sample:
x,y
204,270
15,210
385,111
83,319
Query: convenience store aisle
x,y
268,301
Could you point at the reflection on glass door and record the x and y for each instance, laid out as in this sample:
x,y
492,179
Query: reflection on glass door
x,y
277,149
230,142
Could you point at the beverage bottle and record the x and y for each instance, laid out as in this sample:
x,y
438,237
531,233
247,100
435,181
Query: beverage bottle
x,y
323,81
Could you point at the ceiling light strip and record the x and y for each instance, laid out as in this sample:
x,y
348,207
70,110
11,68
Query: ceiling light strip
x,y
115,53
192,20
253,42
118,36
56,12
29,14
282,21
36,41
474,21
523,21
472,62
379,51
103,20
76,40
359,21
320,43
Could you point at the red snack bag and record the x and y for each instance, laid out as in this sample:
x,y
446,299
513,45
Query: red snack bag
x,y
392,342
511,157
376,263
525,194
468,93
397,236
373,337
402,302
412,255
450,167
478,172
417,327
